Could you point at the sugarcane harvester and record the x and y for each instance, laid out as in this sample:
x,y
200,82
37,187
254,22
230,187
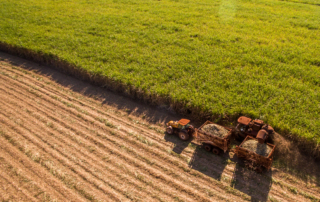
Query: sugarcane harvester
x,y
254,128
181,127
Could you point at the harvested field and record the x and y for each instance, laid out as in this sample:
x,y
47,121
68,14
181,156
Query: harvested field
x,y
65,140
216,130
254,146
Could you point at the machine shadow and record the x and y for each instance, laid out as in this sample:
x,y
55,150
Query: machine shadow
x,y
255,185
208,163
250,182
205,162
179,145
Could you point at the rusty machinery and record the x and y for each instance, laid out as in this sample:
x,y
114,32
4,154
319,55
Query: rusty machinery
x,y
254,128
253,160
212,142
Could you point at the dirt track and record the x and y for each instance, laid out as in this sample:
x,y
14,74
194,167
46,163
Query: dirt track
x,y
63,139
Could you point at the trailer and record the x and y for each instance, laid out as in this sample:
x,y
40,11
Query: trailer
x,y
212,142
252,159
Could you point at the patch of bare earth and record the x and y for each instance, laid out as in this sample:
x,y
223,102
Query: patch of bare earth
x,y
63,139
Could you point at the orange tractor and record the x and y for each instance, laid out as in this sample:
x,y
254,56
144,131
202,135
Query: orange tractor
x,y
181,127
254,128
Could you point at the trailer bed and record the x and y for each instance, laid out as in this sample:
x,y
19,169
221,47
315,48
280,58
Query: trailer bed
x,y
202,137
255,159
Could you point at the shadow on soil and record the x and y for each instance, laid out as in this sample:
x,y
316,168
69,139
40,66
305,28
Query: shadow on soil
x,y
179,145
157,115
255,185
208,163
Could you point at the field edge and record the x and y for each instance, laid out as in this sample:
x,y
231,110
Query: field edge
x,y
305,146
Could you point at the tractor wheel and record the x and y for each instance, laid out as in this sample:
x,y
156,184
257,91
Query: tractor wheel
x,y
183,135
207,147
216,151
169,130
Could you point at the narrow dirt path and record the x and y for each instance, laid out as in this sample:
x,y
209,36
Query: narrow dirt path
x,y
64,139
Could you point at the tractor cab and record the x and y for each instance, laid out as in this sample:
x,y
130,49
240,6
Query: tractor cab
x,y
250,126
183,124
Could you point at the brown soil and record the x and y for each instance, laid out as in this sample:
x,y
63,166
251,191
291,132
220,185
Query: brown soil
x,y
63,139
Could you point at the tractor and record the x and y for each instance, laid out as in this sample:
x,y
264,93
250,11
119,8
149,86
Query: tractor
x,y
254,128
181,127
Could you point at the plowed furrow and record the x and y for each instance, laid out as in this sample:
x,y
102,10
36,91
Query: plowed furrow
x,y
82,156
18,179
134,128
89,157
87,104
85,178
124,162
73,181
42,179
10,189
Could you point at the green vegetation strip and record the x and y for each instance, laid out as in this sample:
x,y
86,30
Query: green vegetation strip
x,y
222,58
